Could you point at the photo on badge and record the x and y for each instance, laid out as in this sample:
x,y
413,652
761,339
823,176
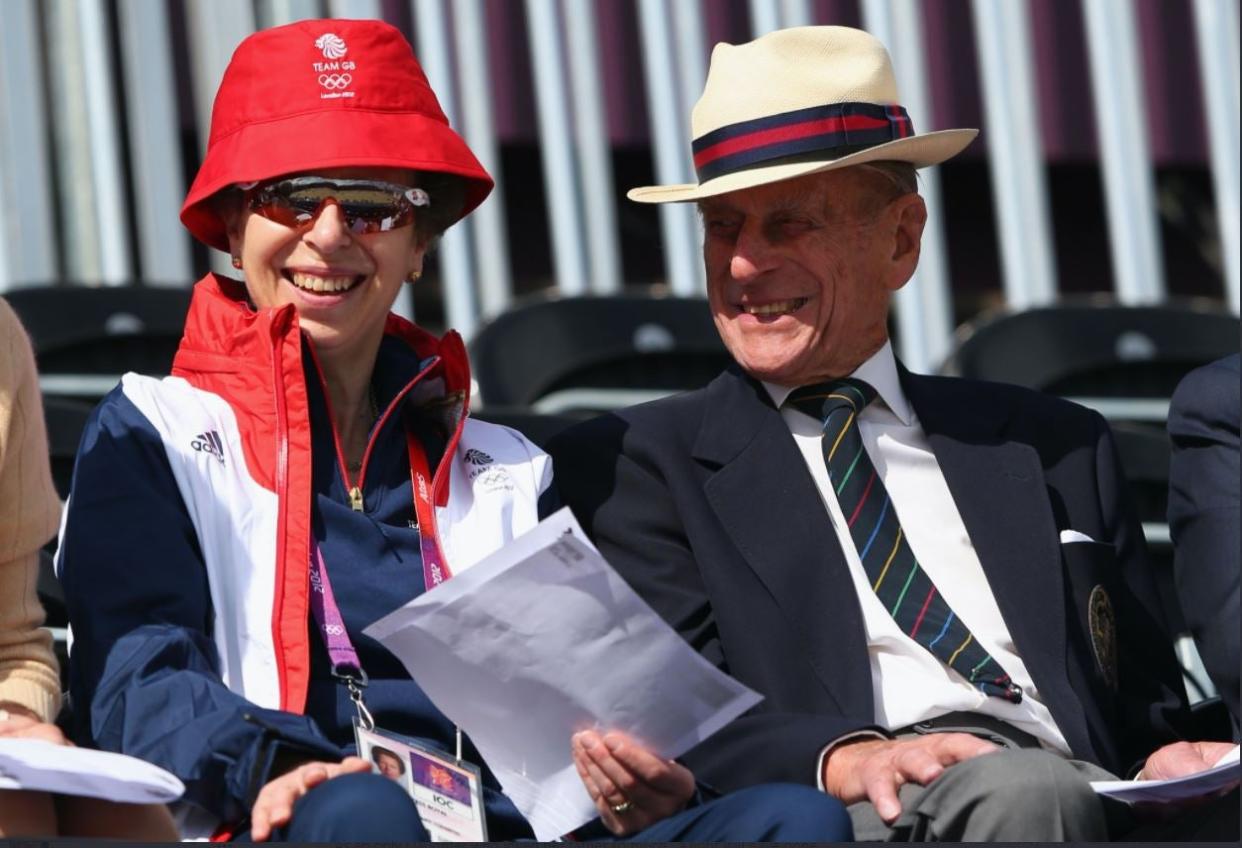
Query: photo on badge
x,y
387,757
390,764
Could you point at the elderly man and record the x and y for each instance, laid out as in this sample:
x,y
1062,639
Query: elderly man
x,y
937,585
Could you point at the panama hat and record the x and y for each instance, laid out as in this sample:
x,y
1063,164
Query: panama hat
x,y
799,101
324,94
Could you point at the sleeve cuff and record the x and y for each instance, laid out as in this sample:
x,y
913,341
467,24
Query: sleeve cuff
x,y
868,733
34,695
278,753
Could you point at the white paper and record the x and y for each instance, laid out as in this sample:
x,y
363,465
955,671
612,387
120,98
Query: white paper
x,y
542,639
1225,773
40,765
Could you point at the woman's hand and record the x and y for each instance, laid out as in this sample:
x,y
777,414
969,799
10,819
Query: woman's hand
x,y
274,806
18,722
632,788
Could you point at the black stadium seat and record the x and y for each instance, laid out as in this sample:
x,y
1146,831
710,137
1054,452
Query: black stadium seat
x,y
558,355
86,337
538,427
66,418
1123,360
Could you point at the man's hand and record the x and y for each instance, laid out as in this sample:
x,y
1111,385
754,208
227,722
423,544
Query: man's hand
x,y
1182,758
274,806
874,769
616,770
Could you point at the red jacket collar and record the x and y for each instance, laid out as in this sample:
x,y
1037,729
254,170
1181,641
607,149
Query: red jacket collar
x,y
223,333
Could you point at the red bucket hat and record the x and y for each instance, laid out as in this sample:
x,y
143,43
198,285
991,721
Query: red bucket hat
x,y
324,94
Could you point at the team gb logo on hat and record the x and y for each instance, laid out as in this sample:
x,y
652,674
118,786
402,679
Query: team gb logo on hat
x,y
333,73
332,45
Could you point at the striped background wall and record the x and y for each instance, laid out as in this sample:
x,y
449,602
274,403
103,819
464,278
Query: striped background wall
x,y
1108,160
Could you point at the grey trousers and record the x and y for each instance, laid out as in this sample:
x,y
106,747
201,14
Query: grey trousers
x,y
1011,795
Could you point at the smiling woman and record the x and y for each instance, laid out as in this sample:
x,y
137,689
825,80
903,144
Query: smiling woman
x,y
337,474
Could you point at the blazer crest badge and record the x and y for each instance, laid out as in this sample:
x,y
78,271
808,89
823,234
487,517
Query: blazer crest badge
x,y
1103,624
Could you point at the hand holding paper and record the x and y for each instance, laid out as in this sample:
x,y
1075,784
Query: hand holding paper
x,y
1224,772
632,788
1181,759
541,640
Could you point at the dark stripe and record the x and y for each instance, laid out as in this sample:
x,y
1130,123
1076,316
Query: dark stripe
x,y
839,127
834,126
829,110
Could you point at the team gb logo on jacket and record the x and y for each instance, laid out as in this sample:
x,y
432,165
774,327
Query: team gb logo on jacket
x,y
334,71
484,473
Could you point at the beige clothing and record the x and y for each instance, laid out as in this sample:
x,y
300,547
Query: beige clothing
x,y
29,516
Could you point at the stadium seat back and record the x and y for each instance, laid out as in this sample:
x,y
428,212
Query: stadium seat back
x,y
1095,349
576,354
86,337
66,419
538,427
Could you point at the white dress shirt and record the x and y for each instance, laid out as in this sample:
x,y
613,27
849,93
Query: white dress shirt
x,y
909,683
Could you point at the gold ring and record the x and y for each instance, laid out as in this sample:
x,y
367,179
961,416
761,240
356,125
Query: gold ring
x,y
623,807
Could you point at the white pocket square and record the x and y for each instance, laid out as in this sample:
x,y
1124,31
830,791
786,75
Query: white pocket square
x,y
1069,536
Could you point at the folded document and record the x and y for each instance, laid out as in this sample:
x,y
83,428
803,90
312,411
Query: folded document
x,y
1224,774
39,765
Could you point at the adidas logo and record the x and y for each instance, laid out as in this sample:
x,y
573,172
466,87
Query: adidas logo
x,y
477,457
209,443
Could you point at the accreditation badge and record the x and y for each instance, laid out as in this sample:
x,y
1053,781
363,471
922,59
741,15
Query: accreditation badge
x,y
447,791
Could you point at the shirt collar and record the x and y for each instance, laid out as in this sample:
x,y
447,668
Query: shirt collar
x,y
880,371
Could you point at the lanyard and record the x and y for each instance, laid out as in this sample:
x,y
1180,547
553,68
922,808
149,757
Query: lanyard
x,y
435,570
346,666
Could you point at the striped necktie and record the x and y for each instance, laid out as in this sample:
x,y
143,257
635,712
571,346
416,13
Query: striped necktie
x,y
898,580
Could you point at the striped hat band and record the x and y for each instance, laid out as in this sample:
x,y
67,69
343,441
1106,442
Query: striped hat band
x,y
836,129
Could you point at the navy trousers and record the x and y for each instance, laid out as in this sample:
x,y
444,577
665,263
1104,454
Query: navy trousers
x,y
371,808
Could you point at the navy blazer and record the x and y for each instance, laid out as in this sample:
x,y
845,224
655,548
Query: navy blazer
x,y
705,506
1205,512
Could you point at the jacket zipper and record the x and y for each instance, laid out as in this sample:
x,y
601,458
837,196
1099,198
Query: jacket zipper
x,y
355,487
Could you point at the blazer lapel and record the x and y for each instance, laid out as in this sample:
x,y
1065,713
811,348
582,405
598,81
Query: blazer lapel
x,y
998,487
767,502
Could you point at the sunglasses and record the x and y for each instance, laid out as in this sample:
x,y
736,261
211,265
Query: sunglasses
x,y
368,206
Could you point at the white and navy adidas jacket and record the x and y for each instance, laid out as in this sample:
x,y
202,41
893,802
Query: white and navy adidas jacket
x,y
184,549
